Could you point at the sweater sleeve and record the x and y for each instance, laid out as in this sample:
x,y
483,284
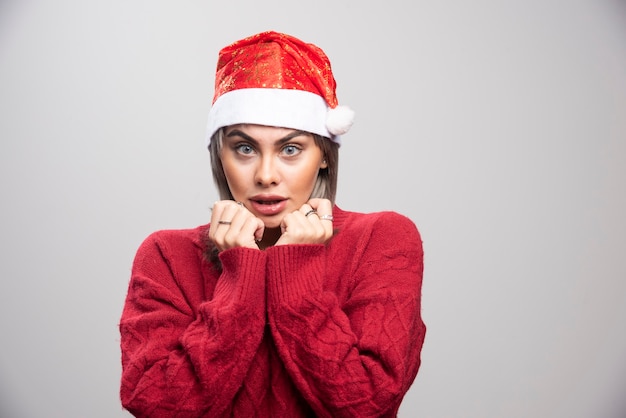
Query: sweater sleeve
x,y
183,360
359,357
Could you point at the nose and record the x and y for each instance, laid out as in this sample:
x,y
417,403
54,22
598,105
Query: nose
x,y
267,171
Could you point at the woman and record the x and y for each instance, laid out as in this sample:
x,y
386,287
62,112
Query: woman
x,y
284,305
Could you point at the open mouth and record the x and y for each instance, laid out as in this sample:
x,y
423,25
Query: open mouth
x,y
267,202
268,207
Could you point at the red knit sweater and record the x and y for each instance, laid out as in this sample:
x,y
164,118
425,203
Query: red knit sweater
x,y
297,330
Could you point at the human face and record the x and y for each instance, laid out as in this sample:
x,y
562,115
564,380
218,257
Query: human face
x,y
271,170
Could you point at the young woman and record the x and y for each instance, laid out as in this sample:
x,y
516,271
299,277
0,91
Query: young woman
x,y
284,305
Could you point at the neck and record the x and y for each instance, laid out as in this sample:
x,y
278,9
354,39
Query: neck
x,y
270,236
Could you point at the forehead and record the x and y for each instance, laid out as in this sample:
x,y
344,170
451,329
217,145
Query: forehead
x,y
263,132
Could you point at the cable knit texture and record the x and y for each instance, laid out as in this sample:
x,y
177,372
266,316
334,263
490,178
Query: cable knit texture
x,y
293,331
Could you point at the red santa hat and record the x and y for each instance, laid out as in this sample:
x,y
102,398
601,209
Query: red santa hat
x,y
275,79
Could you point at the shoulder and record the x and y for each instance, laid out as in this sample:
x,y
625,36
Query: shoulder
x,y
167,241
384,228
389,221
170,263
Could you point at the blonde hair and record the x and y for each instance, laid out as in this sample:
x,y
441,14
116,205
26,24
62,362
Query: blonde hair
x,y
325,185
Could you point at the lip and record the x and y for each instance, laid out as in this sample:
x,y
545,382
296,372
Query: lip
x,y
268,205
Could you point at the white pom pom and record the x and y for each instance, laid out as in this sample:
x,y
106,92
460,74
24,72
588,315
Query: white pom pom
x,y
339,120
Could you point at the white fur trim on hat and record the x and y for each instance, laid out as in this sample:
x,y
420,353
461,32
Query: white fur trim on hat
x,y
294,109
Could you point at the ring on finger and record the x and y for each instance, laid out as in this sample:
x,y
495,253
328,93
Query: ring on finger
x,y
311,212
327,218
224,222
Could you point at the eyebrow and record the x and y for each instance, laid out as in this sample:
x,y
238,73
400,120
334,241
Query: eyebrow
x,y
287,138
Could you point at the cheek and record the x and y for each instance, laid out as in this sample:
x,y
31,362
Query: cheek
x,y
234,174
306,177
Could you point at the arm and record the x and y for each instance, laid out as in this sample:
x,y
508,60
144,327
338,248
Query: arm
x,y
183,360
357,357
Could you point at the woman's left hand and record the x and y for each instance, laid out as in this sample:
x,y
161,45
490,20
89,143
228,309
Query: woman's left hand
x,y
311,224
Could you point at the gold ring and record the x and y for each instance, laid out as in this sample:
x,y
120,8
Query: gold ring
x,y
224,222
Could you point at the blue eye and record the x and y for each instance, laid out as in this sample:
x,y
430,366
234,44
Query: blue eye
x,y
291,150
244,149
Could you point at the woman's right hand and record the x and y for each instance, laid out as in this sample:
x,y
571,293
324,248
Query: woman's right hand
x,y
232,225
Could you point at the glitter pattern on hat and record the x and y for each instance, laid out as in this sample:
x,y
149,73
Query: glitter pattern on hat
x,y
276,79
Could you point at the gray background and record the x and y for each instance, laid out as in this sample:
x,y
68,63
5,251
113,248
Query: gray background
x,y
498,127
